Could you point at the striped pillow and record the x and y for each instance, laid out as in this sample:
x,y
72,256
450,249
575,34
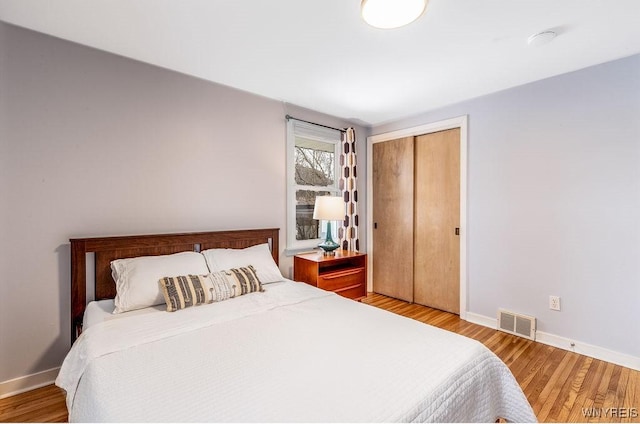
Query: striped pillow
x,y
184,291
191,290
234,282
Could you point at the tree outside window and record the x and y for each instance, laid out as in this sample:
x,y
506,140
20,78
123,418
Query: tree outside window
x,y
313,152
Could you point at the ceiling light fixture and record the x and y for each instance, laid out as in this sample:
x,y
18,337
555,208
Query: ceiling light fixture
x,y
388,14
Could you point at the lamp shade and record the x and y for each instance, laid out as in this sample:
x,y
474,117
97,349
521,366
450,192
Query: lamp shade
x,y
329,208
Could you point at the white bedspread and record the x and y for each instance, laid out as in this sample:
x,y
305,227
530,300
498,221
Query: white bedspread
x,y
291,354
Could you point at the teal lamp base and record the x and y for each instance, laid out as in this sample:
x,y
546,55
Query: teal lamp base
x,y
328,245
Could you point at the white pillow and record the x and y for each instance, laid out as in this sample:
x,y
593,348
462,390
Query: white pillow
x,y
137,278
259,256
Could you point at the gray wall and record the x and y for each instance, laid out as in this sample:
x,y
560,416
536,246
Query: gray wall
x,y
94,144
554,202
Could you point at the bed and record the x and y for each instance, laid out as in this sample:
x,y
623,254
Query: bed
x,y
288,353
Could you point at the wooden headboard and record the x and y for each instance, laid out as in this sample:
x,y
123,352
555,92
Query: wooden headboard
x,y
107,249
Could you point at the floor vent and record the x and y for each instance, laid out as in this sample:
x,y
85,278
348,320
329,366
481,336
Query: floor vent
x,y
518,324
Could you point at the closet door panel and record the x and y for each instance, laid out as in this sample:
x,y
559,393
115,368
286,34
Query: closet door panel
x,y
437,215
393,218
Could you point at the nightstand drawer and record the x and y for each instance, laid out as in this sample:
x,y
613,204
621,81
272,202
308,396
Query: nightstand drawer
x,y
344,273
353,292
341,280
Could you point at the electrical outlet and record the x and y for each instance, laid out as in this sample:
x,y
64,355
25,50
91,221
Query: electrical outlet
x,y
554,303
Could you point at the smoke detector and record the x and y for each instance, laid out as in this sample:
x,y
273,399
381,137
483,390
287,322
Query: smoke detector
x,y
541,38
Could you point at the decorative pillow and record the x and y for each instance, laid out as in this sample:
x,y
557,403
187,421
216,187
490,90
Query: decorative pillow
x,y
234,282
184,291
137,278
259,256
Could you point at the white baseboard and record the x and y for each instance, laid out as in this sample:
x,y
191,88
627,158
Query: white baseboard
x,y
565,343
482,320
28,382
587,349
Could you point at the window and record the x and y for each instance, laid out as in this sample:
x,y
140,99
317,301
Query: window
x,y
312,170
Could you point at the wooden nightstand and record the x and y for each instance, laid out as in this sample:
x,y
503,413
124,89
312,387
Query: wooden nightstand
x,y
345,273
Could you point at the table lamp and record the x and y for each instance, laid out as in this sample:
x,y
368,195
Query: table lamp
x,y
329,208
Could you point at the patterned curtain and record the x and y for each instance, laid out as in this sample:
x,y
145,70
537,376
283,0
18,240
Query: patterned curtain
x,y
348,233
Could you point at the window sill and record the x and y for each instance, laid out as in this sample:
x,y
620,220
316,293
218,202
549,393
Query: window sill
x,y
297,251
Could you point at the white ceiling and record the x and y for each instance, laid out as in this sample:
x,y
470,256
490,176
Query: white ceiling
x,y
320,54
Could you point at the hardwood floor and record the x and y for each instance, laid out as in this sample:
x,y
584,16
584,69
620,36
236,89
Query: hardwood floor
x,y
560,385
44,405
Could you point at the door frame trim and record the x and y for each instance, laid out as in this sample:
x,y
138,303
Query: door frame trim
x,y
457,122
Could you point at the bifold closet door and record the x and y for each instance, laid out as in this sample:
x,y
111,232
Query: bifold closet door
x,y
437,218
393,218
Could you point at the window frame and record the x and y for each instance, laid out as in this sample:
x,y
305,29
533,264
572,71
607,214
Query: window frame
x,y
313,132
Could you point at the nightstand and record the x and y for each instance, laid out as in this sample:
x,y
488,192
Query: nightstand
x,y
345,273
